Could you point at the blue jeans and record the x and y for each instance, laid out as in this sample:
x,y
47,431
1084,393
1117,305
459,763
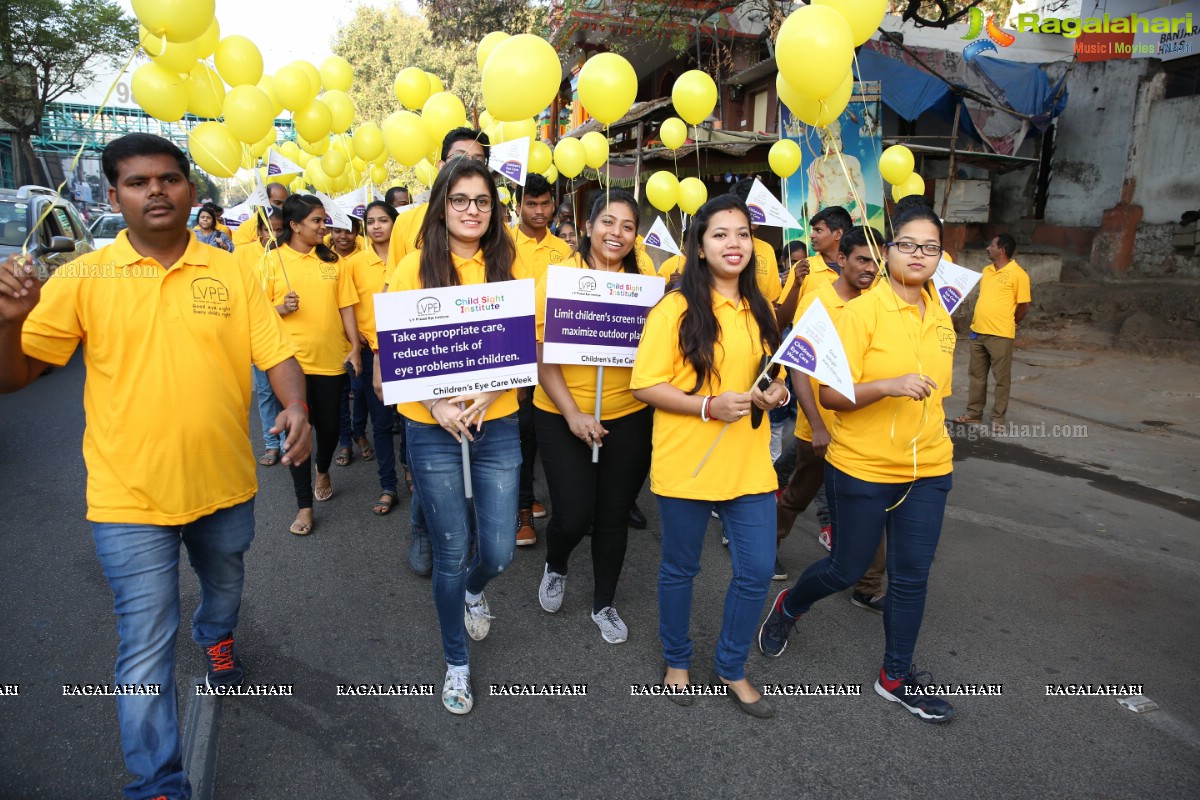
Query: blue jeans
x,y
141,563
750,525
268,407
859,515
436,463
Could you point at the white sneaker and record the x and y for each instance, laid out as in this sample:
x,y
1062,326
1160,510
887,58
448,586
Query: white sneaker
x,y
456,692
612,628
551,590
478,619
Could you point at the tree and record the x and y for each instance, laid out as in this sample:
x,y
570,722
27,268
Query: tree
x,y
50,48
471,20
943,13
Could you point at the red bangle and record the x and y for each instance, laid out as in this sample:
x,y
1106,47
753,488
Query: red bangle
x,y
302,405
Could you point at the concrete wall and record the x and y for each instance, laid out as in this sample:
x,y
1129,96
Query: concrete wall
x,y
1168,164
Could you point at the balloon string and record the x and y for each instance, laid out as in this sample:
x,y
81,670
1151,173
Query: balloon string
x,y
78,153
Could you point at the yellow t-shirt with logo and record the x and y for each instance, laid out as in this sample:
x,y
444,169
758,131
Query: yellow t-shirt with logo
x,y
834,304
167,394
885,337
672,266
369,273
534,257
316,326
741,463
766,270
817,269
616,399
404,234
1000,292
246,233
406,277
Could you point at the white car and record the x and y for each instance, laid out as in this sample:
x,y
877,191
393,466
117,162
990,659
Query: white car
x,y
105,229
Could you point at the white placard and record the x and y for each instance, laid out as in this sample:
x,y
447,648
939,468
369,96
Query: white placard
x,y
595,318
659,237
814,348
953,283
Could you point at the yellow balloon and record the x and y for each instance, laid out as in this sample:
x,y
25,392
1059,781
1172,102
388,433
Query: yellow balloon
x,y
239,61
336,74
896,164
595,149
357,164
379,174
292,87
248,114
152,45
540,157
486,45
267,85
412,87
406,137
290,150
435,84
913,185
333,163
313,121
662,190
443,112
303,157
175,20
206,45
607,87
260,147
316,176
673,133
314,75
551,174
692,194
206,93
159,92
521,77
515,130
694,96
315,148
341,110
863,16
215,150
569,156
426,173
784,158
814,50
504,195
368,141
298,186
248,158
817,113
485,119
177,56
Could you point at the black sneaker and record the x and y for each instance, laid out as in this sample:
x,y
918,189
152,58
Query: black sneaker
x,y
223,667
780,572
773,635
914,693
871,602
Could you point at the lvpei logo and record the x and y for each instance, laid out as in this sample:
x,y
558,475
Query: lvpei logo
x,y
995,35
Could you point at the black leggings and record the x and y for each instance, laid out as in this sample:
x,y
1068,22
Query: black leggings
x,y
593,498
324,412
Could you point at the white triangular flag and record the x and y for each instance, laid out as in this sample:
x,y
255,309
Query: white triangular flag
x,y
660,237
766,210
354,203
953,283
814,348
511,159
335,217
238,214
280,168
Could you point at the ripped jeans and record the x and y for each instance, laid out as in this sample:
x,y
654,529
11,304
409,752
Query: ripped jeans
x,y
436,463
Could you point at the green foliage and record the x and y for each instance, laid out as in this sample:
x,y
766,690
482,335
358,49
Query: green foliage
x,y
471,20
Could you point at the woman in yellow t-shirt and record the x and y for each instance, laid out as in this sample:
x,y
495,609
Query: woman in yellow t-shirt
x,y
890,460
585,497
315,296
463,241
701,351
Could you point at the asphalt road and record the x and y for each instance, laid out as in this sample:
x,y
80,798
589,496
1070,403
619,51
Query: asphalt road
x,y
1045,574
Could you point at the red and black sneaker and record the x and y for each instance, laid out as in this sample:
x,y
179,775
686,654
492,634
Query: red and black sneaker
x,y
223,667
773,633
915,691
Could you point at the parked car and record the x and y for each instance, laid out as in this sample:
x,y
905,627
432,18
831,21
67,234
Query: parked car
x,y
105,229
59,234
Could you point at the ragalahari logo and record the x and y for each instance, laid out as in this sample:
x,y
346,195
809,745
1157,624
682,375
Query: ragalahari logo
x,y
995,35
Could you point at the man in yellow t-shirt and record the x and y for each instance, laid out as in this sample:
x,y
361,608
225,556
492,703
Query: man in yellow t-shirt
x,y
1004,299
168,327
825,231
247,232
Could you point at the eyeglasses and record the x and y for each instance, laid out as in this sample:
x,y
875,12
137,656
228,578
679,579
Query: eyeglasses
x,y
908,248
460,202
455,154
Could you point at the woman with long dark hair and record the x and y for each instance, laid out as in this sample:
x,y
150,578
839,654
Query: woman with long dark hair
x,y
701,351
585,497
462,241
315,295
889,464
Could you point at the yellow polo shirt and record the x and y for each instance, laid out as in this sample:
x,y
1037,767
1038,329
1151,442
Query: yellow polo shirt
x,y
533,257
616,399
316,327
885,337
247,232
741,463
816,267
404,234
369,273
1000,291
766,270
167,395
406,277
834,304
645,264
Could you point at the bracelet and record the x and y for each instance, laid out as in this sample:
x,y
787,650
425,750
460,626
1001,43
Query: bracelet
x,y
434,403
704,417
302,404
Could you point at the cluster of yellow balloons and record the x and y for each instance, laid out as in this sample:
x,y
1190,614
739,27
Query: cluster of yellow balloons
x,y
814,51
665,191
896,166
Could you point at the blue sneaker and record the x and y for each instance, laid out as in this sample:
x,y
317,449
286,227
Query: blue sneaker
x,y
420,553
224,669
914,692
773,635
